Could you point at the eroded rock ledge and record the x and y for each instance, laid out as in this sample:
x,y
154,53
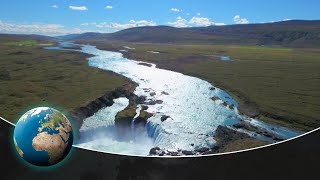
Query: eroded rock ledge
x,y
127,124
87,110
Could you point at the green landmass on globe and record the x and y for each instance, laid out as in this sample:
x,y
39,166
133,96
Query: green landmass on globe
x,y
43,136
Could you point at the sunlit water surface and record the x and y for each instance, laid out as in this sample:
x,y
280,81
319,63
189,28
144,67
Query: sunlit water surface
x,y
194,116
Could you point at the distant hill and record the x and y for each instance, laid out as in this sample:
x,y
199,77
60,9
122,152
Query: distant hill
x,y
298,33
68,36
17,37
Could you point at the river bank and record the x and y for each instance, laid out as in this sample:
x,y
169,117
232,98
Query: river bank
x,y
227,139
257,78
183,112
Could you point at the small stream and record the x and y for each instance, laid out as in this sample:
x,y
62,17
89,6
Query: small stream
x,y
193,115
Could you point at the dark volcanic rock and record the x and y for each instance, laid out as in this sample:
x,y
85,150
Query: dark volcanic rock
x,y
165,93
214,98
153,102
153,151
146,90
164,117
225,104
162,153
145,64
143,107
225,135
159,101
202,150
212,88
140,121
138,100
126,124
245,125
92,107
173,153
249,127
152,94
185,152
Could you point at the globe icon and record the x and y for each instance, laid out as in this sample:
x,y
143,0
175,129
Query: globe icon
x,y
43,136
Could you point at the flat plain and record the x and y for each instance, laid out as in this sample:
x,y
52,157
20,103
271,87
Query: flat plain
x,y
32,76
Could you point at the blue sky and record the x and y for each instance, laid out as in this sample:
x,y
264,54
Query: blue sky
x,y
55,17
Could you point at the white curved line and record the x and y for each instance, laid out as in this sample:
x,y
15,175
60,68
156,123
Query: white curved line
x,y
7,121
192,156
203,155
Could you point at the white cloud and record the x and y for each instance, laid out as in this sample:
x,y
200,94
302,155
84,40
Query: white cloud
x,y
109,7
55,6
175,10
203,21
198,14
36,28
273,21
118,26
101,25
88,24
180,22
84,24
195,21
131,24
78,8
238,20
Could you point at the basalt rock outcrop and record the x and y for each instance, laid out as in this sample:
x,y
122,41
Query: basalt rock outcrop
x,y
247,126
87,110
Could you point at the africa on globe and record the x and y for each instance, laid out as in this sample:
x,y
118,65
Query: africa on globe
x,y
43,136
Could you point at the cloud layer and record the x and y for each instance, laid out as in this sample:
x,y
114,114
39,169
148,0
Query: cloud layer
x,y
43,29
78,8
118,26
180,22
194,21
238,20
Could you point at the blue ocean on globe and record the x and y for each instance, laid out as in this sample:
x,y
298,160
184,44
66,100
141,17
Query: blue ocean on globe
x,y
43,136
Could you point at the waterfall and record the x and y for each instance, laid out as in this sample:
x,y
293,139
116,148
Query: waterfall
x,y
139,108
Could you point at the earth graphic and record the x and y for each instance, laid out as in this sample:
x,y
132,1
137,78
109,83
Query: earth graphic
x,y
43,136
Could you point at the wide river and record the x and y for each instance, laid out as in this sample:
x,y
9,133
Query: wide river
x,y
194,116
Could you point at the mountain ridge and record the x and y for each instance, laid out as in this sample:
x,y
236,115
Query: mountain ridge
x,y
299,33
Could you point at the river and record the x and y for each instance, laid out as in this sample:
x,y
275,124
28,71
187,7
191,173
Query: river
x,y
193,115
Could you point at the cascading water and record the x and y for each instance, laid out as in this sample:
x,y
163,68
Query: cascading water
x,y
192,115
134,118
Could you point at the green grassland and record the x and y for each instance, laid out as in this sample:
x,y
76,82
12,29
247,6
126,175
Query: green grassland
x,y
130,112
32,76
281,84
241,144
26,43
